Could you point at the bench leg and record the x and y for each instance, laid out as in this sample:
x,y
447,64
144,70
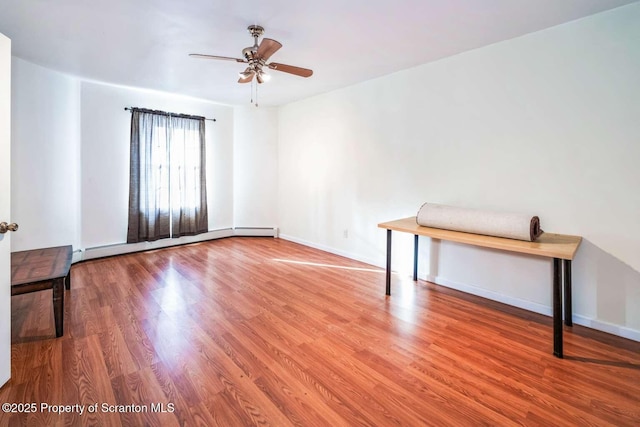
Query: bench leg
x,y
67,280
557,309
58,305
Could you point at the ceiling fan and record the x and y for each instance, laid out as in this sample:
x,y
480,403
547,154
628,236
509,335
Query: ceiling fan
x,y
256,57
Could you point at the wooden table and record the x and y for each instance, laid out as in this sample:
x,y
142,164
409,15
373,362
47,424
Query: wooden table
x,y
40,269
560,247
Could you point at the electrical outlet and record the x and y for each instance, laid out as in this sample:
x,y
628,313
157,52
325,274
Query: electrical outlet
x,y
345,233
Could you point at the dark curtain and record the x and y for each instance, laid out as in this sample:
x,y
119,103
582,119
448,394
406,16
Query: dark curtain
x,y
167,187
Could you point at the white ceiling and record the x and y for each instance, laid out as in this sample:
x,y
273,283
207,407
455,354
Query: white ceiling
x,y
145,43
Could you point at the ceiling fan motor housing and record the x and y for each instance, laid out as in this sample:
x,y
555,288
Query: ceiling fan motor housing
x,y
250,52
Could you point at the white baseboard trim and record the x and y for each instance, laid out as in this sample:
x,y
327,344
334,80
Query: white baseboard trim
x,y
256,231
610,328
329,249
125,248
77,256
494,296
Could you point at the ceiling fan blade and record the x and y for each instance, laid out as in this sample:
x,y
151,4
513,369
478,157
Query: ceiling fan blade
x,y
246,79
224,58
267,48
298,71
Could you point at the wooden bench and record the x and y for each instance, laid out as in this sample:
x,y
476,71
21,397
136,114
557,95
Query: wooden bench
x,y
560,247
40,269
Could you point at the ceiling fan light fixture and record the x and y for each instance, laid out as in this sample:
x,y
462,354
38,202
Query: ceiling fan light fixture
x,y
262,76
246,73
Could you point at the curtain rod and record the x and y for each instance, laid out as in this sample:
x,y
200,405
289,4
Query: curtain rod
x,y
184,116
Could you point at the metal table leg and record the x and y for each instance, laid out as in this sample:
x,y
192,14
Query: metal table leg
x,y
557,309
415,257
388,262
568,309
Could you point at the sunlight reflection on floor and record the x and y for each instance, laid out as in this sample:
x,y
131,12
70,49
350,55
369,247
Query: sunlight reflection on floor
x,y
315,264
402,302
171,296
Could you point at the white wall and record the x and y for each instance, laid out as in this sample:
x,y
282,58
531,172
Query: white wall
x,y
105,158
45,145
70,157
547,123
255,161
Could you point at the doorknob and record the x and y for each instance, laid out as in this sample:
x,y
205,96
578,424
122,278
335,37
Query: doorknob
x,y
4,227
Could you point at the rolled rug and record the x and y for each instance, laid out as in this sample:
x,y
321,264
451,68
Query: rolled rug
x,y
508,225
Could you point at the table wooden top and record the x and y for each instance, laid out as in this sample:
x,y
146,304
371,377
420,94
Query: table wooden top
x,y
38,265
548,245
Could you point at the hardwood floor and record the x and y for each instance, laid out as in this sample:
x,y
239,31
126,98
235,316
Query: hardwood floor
x,y
248,331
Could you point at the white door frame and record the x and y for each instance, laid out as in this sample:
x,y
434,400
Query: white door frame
x,y
5,208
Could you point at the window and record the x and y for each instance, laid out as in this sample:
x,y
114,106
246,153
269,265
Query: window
x,y
167,187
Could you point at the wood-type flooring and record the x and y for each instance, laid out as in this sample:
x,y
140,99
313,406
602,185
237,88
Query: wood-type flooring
x,y
263,331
